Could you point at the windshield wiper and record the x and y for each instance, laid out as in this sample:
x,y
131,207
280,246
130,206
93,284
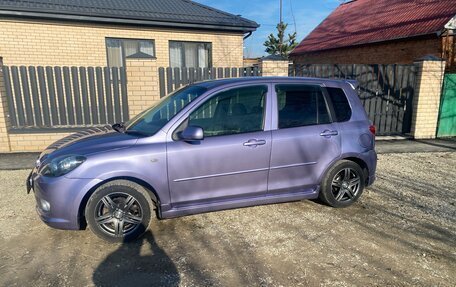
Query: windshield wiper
x,y
119,127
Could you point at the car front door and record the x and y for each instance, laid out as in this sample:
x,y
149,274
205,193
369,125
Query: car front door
x,y
304,139
232,161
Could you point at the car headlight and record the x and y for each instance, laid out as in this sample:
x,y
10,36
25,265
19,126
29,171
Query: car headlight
x,y
62,165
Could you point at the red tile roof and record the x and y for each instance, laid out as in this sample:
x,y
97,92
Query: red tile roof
x,y
369,21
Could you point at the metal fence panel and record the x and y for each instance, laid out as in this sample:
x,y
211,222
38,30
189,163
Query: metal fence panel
x,y
85,95
26,94
60,95
17,92
43,100
92,95
101,95
108,95
161,81
116,95
35,96
124,94
63,97
68,95
9,96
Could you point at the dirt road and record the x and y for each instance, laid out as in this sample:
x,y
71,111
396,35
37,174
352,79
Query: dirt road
x,y
401,233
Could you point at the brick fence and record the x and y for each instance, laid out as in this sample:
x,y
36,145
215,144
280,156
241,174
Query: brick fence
x,y
426,102
143,91
271,66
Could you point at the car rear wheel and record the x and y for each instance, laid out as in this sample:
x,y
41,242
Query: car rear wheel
x,y
119,211
343,184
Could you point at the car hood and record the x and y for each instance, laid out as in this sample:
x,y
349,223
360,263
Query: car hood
x,y
92,140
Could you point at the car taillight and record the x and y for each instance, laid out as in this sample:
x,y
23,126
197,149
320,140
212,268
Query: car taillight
x,y
372,129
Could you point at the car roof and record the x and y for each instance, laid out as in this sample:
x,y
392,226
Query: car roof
x,y
210,84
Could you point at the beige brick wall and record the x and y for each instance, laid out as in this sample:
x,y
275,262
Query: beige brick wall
x,y
274,68
53,43
426,101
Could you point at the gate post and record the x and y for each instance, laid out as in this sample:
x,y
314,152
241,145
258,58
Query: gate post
x,y
274,66
4,120
426,101
142,84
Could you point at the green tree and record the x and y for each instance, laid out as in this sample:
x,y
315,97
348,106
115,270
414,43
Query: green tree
x,y
278,45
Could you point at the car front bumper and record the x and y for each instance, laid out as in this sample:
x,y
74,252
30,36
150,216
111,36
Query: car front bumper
x,y
58,199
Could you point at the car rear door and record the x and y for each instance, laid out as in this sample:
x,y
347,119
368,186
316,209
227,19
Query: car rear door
x,y
305,141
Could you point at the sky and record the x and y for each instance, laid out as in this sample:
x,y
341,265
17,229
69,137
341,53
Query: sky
x,y
301,15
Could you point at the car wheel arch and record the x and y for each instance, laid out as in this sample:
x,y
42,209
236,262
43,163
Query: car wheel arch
x,y
150,191
361,163
349,157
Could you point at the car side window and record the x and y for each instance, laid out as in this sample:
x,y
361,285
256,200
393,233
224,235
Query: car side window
x,y
340,103
239,110
301,105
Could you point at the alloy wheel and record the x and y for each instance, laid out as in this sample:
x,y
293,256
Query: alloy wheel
x,y
346,184
118,214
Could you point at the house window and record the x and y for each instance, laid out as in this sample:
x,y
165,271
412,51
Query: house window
x,y
120,49
190,54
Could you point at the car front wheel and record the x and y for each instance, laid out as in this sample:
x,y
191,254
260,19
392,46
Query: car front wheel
x,y
118,211
343,184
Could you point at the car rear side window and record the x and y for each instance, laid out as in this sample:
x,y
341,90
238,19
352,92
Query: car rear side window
x,y
301,105
340,103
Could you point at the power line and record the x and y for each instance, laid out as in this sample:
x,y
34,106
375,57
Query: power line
x,y
292,14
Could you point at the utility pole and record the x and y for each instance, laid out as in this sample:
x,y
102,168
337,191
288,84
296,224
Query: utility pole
x,y
280,11
280,24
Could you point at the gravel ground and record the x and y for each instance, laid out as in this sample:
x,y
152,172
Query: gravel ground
x,y
401,233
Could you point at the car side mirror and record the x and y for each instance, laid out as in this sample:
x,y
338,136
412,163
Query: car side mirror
x,y
192,133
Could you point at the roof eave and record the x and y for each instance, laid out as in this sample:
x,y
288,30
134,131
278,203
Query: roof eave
x,y
126,21
223,12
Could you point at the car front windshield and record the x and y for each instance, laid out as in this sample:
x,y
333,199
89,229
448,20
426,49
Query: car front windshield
x,y
153,119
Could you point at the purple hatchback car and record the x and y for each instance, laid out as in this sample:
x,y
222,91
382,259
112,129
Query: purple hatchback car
x,y
210,146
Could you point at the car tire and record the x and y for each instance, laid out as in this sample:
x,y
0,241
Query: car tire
x,y
343,184
119,211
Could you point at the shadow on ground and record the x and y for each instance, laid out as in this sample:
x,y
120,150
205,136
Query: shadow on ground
x,y
139,263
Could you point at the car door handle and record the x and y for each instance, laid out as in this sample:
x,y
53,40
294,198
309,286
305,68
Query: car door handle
x,y
328,133
254,142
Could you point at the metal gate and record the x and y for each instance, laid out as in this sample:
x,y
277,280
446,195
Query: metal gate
x,y
45,98
386,91
447,115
